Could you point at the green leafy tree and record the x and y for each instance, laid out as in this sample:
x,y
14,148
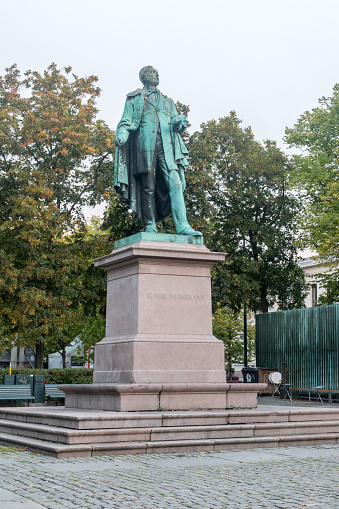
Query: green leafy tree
x,y
92,333
228,326
199,184
237,194
119,220
55,158
89,287
315,171
254,217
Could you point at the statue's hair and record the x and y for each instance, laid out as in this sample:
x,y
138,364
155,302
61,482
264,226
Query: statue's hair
x,y
142,73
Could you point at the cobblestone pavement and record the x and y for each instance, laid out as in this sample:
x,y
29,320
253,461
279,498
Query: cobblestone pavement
x,y
258,478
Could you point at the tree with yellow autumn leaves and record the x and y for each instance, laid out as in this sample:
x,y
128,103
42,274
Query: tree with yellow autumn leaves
x,y
55,158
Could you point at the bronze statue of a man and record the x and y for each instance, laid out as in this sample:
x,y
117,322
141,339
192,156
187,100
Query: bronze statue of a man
x,y
150,157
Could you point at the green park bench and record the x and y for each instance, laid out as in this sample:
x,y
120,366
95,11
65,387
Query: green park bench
x,y
16,392
52,392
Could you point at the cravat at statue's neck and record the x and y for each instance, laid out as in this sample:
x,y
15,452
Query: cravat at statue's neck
x,y
151,90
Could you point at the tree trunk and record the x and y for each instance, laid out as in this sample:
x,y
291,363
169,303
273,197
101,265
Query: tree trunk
x,y
39,353
63,354
263,298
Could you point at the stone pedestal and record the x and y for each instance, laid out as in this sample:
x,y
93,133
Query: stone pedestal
x,y
159,350
159,315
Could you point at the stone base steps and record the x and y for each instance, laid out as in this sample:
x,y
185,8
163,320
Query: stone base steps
x,y
103,449
165,434
64,432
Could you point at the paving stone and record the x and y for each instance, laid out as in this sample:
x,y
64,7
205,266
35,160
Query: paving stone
x,y
287,478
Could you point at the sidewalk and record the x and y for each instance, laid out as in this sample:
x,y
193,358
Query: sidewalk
x,y
10,500
286,478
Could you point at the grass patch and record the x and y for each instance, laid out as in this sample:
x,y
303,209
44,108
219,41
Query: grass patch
x,y
10,448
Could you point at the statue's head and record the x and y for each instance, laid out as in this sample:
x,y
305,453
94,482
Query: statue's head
x,y
149,76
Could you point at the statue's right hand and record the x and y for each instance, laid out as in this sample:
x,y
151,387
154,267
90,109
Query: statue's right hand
x,y
120,140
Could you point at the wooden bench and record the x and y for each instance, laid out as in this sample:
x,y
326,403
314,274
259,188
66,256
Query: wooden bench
x,y
52,392
318,391
16,392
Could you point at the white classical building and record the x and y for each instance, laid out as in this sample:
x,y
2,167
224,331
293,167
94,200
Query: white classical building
x,y
312,266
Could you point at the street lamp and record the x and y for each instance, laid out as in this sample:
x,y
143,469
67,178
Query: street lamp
x,y
245,336
245,321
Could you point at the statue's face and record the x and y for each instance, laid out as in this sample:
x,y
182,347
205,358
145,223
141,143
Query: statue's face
x,y
151,77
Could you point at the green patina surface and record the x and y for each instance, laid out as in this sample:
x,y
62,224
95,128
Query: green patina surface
x,y
151,156
160,237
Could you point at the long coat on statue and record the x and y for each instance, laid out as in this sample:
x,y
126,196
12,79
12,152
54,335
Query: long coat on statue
x,y
141,121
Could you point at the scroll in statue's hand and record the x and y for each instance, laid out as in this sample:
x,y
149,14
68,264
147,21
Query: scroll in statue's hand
x,y
179,123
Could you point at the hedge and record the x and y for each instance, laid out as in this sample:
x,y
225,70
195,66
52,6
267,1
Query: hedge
x,y
55,376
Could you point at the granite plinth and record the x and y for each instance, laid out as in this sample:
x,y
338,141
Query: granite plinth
x,y
151,397
159,315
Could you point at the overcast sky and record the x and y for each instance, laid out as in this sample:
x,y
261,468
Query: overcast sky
x,y
269,60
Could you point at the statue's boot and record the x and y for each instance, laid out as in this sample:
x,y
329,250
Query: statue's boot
x,y
150,229
189,231
182,226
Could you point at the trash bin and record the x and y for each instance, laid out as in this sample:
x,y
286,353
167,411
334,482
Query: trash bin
x,y
250,375
39,388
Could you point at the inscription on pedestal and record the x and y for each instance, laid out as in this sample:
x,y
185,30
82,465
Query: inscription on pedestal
x,y
174,296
